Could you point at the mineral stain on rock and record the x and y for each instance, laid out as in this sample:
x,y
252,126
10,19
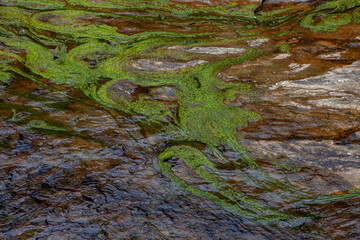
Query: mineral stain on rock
x,y
179,119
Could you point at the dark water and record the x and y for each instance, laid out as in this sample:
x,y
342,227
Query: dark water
x,y
95,93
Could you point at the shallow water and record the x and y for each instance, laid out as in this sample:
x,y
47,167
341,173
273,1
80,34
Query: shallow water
x,y
139,120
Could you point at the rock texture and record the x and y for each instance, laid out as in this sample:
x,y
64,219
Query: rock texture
x,y
77,165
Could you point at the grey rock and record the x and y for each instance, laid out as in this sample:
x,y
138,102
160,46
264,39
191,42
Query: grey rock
x,y
338,89
215,50
257,42
154,66
55,220
209,50
326,155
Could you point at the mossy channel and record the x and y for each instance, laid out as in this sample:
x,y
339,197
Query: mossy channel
x,y
99,64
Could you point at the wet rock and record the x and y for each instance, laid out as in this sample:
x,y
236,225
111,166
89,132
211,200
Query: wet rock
x,y
297,67
340,102
106,184
337,83
215,2
59,179
257,42
39,171
59,236
331,56
154,66
287,1
38,221
55,220
7,132
326,156
318,107
163,94
209,50
125,88
282,56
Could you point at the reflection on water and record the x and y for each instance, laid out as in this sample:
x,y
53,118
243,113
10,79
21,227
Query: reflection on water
x,y
179,120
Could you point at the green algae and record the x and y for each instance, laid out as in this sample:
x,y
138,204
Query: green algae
x,y
354,191
120,4
333,198
5,76
74,25
5,145
329,22
219,122
338,5
42,125
160,9
231,199
20,110
36,4
356,15
14,16
332,15
283,47
287,167
70,23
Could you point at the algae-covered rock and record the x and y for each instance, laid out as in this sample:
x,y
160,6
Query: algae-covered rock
x,y
162,95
